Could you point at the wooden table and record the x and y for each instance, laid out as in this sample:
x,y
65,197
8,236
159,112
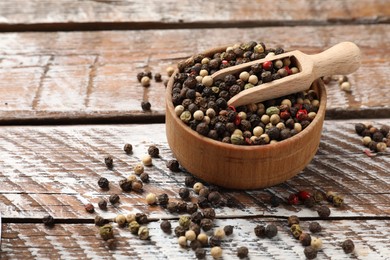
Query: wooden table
x,y
69,97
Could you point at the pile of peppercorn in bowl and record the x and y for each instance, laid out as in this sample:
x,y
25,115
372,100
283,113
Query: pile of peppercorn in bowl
x,y
246,147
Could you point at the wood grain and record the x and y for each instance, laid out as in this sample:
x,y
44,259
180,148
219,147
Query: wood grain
x,y
76,241
54,170
91,76
23,15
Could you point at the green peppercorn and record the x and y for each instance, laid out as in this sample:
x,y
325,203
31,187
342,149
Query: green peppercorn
x,y
134,227
106,232
184,221
348,246
186,116
296,230
318,196
337,201
143,233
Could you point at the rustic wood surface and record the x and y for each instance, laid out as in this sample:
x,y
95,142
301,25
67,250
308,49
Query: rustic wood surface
x,y
91,76
112,14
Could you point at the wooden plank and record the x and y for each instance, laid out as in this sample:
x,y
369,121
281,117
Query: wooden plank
x,y
54,170
22,15
91,76
76,241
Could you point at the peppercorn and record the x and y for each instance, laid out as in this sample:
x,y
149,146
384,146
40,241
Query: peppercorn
x,y
242,252
89,208
125,185
151,199
130,217
173,165
103,183
109,162
318,196
216,252
184,221
191,208
337,201
120,220
111,243
147,160
137,186
143,233
138,169
170,71
305,239
166,226
157,77
214,241
163,199
172,207
179,231
190,235
206,224
141,218
293,199
296,230
184,193
315,227
310,252
128,148
196,217
140,75
219,233
182,207
197,187
134,227
48,221
260,231
209,213
348,246
228,230
144,177
100,221
271,230
200,253
274,201
106,232
102,204
316,243
203,239
381,146
323,212
293,219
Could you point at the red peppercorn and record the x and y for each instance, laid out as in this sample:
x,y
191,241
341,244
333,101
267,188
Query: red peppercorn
x,y
301,114
237,121
303,195
285,115
289,72
225,62
267,65
293,199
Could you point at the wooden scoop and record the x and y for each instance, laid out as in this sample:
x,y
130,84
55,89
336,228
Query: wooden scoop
x,y
341,59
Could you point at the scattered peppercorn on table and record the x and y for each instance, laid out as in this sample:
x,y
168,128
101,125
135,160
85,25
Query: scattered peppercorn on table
x,y
85,168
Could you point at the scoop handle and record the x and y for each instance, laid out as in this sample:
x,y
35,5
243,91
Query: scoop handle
x,y
341,59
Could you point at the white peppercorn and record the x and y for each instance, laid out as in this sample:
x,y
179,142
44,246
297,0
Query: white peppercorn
x,y
203,238
198,115
203,73
179,109
216,252
145,81
190,235
147,160
316,243
182,240
138,169
207,81
244,76
197,187
151,199
258,131
219,233
253,79
170,71
210,112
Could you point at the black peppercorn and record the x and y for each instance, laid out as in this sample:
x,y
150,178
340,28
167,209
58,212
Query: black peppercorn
x,y
153,151
209,213
157,77
271,230
144,177
200,253
179,231
184,193
273,133
310,252
203,129
348,246
166,226
315,227
173,165
140,75
323,212
242,252
114,198
128,148
377,136
141,218
309,202
137,185
204,192
203,202
214,197
305,239
48,221
228,230
109,162
191,207
260,231
125,185
359,127
196,217
214,241
206,224
194,227
163,199
189,181
195,244
103,183
89,208
181,206
172,207
102,204
385,129
145,105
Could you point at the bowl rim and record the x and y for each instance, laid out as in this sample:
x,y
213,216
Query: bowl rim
x,y
234,147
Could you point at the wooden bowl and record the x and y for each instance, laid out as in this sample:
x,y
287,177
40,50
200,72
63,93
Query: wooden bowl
x,y
239,166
